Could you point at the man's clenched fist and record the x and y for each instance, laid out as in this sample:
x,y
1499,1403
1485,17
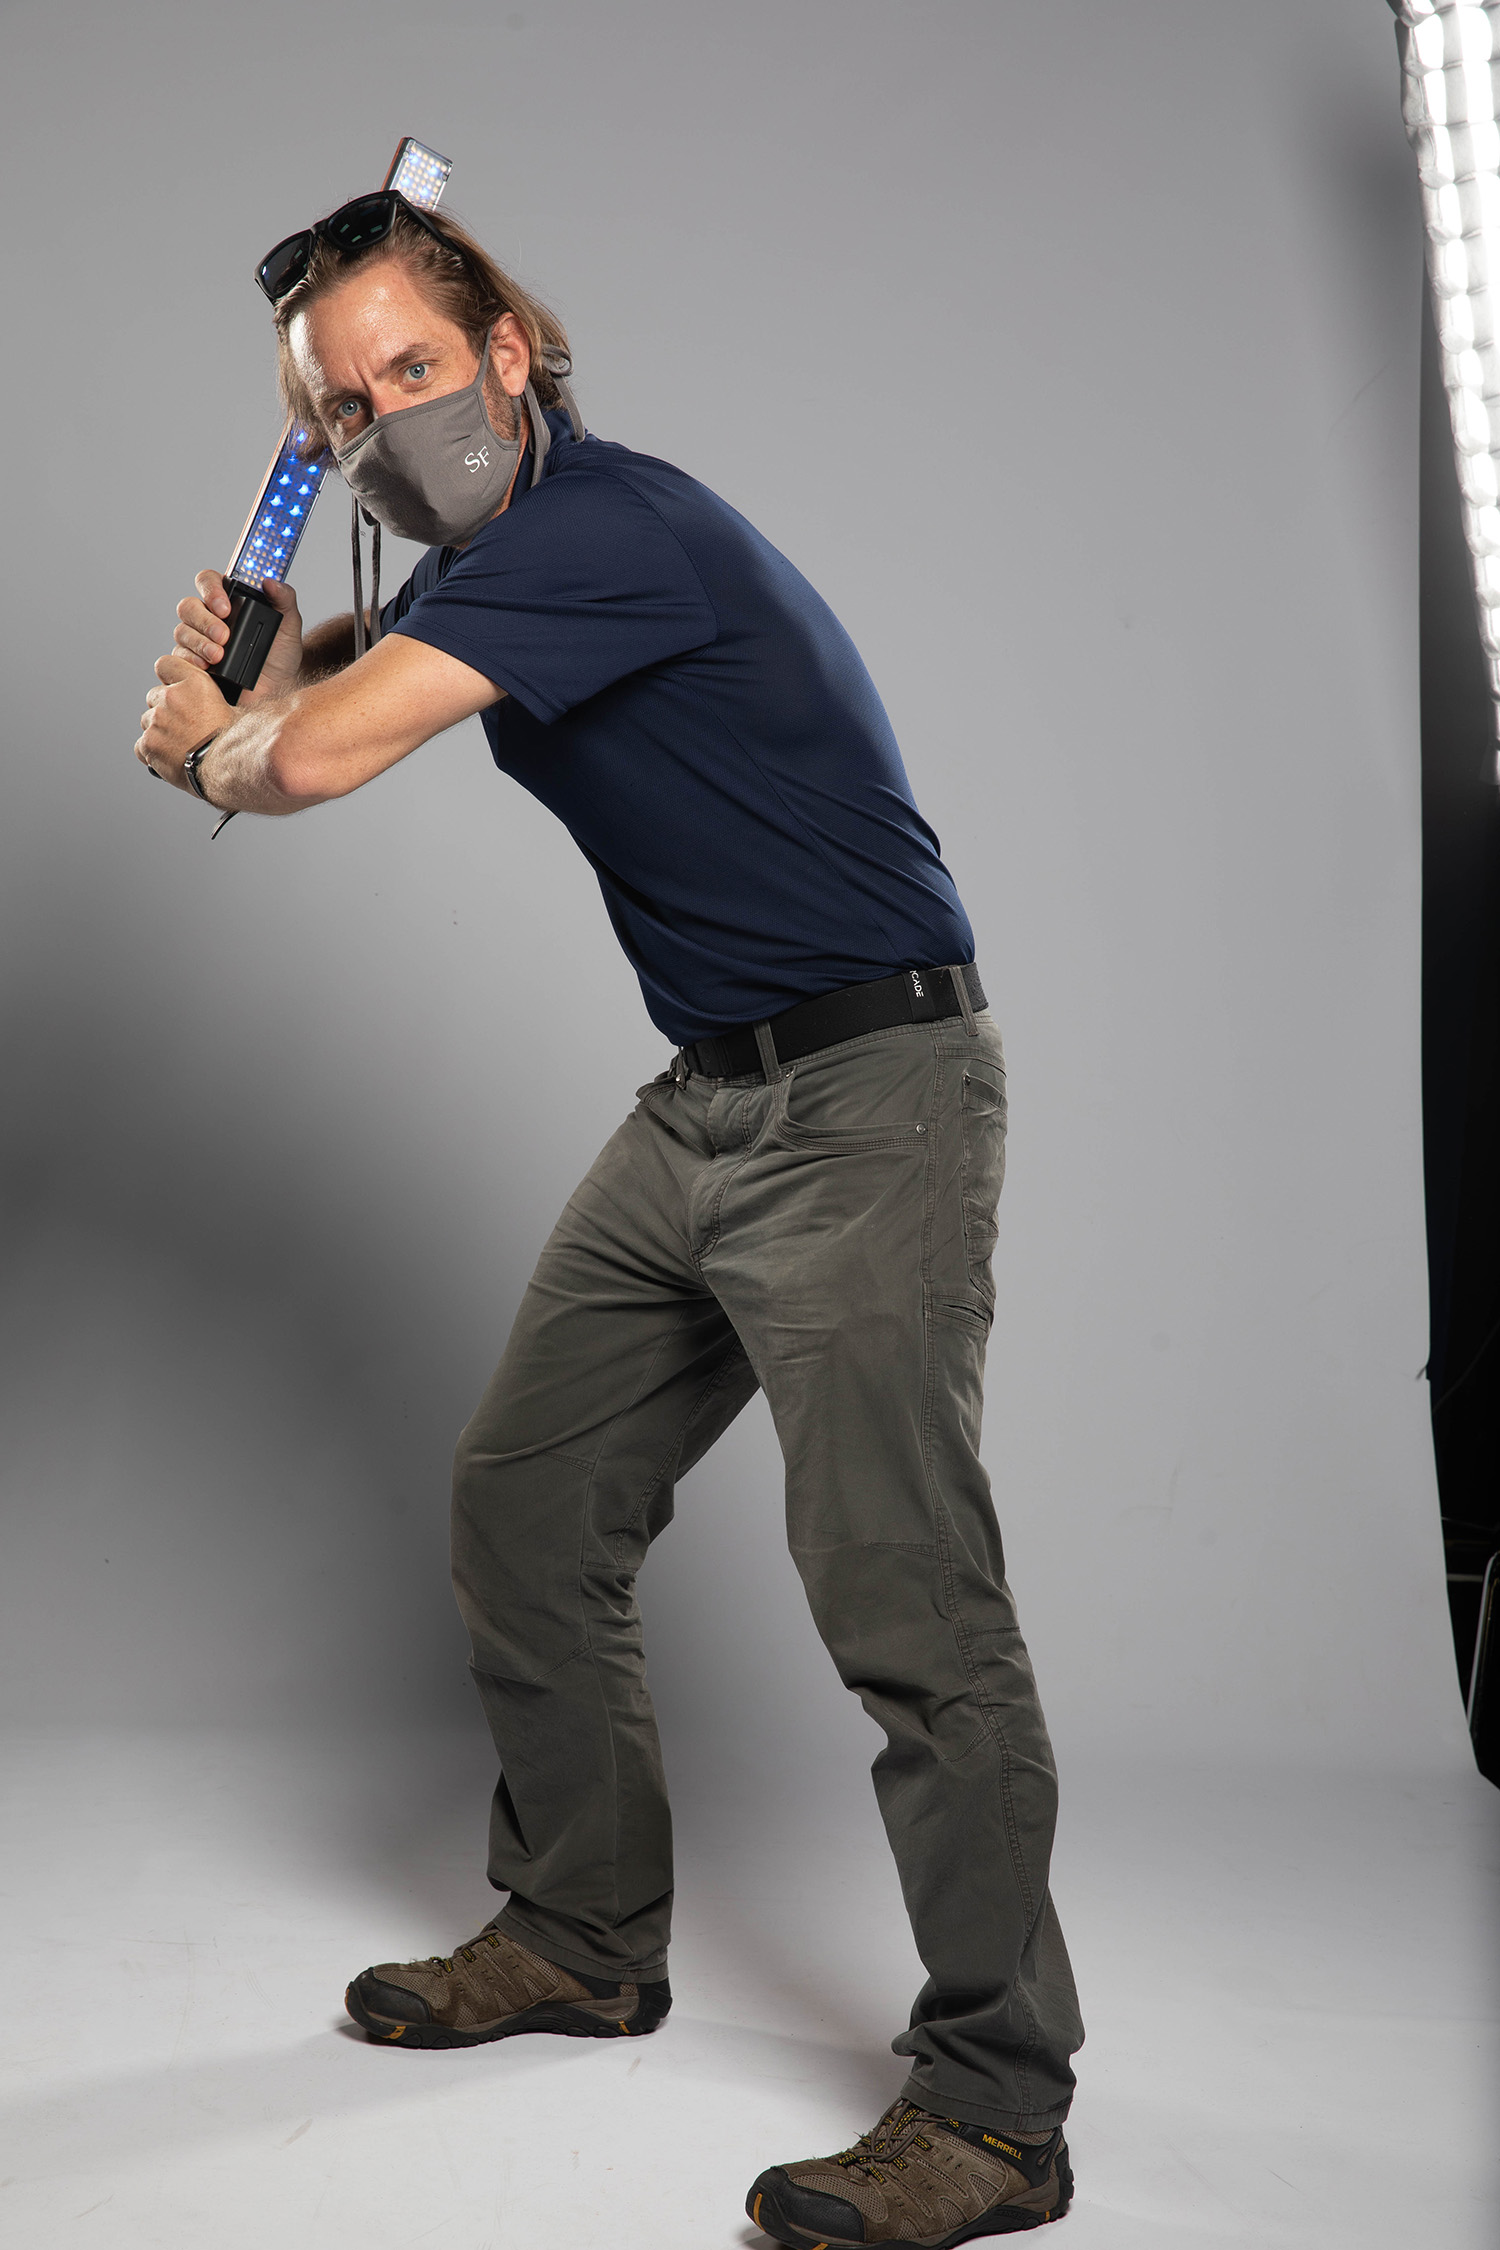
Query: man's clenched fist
x,y
203,629
187,707
185,710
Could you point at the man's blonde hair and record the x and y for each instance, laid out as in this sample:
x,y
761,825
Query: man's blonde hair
x,y
459,279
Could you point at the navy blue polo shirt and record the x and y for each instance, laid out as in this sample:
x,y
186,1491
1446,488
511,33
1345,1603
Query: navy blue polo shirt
x,y
697,717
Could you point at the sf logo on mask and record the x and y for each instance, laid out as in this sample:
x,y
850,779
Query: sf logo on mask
x,y
478,460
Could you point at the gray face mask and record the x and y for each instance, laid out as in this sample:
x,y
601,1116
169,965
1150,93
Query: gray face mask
x,y
437,472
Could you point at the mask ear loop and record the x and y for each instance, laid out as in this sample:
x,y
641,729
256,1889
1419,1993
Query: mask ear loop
x,y
570,402
541,436
560,367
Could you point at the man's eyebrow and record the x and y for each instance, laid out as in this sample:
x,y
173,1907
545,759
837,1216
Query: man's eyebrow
x,y
418,350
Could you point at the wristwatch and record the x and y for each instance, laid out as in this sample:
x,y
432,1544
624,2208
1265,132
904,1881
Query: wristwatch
x,y
190,765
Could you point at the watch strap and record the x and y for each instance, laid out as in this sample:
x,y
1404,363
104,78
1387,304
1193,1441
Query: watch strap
x,y
190,765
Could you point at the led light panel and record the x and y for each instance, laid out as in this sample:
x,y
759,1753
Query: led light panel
x,y
419,174
279,517
1450,50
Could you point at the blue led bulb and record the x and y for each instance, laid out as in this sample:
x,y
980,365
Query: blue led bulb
x,y
265,552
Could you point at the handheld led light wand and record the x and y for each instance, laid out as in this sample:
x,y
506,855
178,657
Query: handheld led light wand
x,y
276,523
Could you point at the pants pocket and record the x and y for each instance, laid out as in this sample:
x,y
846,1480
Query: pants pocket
x,y
983,1172
859,1098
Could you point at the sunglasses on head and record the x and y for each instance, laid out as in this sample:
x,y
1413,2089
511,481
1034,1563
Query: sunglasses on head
x,y
369,218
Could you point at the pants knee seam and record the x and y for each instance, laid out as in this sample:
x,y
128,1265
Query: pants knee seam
x,y
715,1382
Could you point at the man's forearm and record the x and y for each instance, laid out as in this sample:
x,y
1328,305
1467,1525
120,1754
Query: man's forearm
x,y
327,649
238,771
316,740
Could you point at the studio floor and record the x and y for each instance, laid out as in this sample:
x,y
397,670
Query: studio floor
x,y
1290,1985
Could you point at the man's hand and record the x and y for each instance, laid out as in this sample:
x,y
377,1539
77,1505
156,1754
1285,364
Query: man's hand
x,y
203,629
184,711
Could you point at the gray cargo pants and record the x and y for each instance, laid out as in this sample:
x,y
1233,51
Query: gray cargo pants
x,y
825,1237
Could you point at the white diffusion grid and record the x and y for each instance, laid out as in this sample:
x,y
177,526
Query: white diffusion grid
x,y
419,174
1449,54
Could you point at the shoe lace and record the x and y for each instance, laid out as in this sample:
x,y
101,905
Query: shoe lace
x,y
883,2145
467,1952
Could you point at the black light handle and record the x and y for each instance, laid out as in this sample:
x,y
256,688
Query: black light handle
x,y
253,625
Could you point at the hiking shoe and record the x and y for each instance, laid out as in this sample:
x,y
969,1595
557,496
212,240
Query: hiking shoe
x,y
917,2182
490,1988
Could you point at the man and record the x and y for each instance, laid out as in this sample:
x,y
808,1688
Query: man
x,y
805,1203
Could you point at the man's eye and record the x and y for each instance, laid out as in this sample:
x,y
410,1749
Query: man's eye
x,y
417,372
347,411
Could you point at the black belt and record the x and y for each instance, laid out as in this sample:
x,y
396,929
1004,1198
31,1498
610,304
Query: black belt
x,y
911,996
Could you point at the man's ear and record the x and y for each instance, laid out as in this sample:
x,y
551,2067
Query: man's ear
x,y
510,355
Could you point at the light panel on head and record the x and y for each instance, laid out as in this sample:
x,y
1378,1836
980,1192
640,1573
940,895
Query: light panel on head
x,y
419,173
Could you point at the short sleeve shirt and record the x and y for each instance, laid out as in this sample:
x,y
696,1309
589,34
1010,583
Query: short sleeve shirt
x,y
689,707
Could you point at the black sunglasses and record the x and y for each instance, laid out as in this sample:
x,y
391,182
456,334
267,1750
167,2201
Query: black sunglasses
x,y
369,218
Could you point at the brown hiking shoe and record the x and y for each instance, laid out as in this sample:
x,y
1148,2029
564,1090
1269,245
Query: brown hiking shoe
x,y
917,2182
490,1988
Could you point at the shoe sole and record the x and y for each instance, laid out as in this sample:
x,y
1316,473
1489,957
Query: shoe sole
x,y
568,2023
1007,2218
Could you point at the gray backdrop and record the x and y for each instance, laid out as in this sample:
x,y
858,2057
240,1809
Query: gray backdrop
x,y
1072,351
